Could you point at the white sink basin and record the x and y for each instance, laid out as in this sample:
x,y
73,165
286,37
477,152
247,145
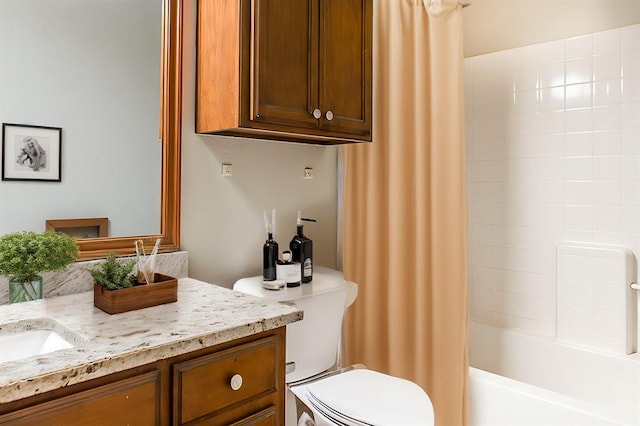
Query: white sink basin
x,y
29,343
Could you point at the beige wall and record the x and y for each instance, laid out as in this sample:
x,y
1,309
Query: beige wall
x,y
222,226
494,25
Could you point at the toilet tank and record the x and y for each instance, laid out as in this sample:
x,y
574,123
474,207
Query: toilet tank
x,y
312,343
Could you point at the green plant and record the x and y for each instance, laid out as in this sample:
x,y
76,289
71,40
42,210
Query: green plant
x,y
23,255
112,274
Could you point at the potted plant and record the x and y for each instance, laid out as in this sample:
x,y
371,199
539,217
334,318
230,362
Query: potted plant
x,y
26,254
115,289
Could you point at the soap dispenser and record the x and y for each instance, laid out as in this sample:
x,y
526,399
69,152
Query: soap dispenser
x,y
302,250
270,248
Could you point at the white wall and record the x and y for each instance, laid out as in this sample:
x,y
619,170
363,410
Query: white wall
x,y
495,25
91,68
222,226
553,138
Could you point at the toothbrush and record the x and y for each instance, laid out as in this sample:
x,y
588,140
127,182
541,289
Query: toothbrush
x,y
273,223
266,223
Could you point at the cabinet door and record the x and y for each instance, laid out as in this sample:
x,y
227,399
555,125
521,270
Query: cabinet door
x,y
284,67
345,66
130,401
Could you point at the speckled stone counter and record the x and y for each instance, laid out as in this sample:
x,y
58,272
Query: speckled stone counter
x,y
204,315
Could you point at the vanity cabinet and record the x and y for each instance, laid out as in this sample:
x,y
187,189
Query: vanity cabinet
x,y
285,69
235,383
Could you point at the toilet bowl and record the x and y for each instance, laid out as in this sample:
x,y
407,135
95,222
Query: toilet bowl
x,y
320,391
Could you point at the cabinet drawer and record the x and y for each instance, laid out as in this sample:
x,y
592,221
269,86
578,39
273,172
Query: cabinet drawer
x,y
203,385
129,401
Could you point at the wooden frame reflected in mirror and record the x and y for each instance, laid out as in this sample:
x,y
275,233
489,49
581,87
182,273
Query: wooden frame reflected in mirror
x,y
170,129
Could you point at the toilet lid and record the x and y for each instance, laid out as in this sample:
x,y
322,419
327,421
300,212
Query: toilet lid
x,y
364,397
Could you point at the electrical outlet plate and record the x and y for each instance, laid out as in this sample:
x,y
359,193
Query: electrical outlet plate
x,y
308,173
227,170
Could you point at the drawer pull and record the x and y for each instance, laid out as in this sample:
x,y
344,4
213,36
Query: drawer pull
x,y
329,115
236,382
316,113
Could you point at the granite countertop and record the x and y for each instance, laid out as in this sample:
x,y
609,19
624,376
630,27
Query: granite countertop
x,y
204,315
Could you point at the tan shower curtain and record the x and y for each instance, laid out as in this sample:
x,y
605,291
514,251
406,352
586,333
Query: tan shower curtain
x,y
405,208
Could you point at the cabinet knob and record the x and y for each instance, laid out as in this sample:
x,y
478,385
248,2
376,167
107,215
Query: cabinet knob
x,y
329,115
317,113
236,382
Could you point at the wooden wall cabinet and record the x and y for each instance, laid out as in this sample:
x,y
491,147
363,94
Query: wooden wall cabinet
x,y
297,70
239,383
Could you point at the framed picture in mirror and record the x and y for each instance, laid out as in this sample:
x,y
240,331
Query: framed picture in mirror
x,y
31,152
94,227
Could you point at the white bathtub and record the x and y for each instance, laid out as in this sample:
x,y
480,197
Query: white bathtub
x,y
519,379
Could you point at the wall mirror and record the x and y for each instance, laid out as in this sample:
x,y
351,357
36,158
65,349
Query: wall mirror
x,y
108,73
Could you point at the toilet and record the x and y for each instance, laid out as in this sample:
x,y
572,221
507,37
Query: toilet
x,y
319,390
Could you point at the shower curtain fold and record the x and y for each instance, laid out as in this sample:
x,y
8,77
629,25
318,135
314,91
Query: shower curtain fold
x,y
405,217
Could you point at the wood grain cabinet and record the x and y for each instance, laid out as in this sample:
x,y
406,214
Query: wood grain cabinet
x,y
239,383
297,70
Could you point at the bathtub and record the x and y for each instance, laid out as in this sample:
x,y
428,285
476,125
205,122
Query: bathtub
x,y
517,378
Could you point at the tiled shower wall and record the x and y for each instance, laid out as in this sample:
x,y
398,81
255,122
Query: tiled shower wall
x,y
553,154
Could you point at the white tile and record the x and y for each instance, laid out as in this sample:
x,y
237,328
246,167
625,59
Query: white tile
x,y
630,167
606,219
481,234
503,257
527,260
606,193
551,192
585,236
630,143
503,280
578,95
607,92
606,168
481,213
548,310
503,319
482,192
483,171
504,236
606,42
483,149
579,193
607,117
546,216
526,101
551,122
606,142
481,256
480,298
550,238
579,218
527,78
631,89
551,75
579,168
503,302
579,120
576,268
552,99
483,315
629,219
482,277
630,115
551,145
527,307
579,144
631,37
548,264
631,63
524,123
630,193
579,71
607,67
503,81
606,238
579,47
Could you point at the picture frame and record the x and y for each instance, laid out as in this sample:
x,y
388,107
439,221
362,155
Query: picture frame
x,y
93,227
31,153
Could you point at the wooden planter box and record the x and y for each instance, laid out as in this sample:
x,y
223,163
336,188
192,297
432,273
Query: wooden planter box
x,y
163,290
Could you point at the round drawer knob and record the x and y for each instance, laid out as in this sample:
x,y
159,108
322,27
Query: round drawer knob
x,y
236,382
316,113
329,115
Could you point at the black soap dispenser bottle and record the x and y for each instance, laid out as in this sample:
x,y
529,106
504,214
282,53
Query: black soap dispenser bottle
x,y
269,249
302,250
